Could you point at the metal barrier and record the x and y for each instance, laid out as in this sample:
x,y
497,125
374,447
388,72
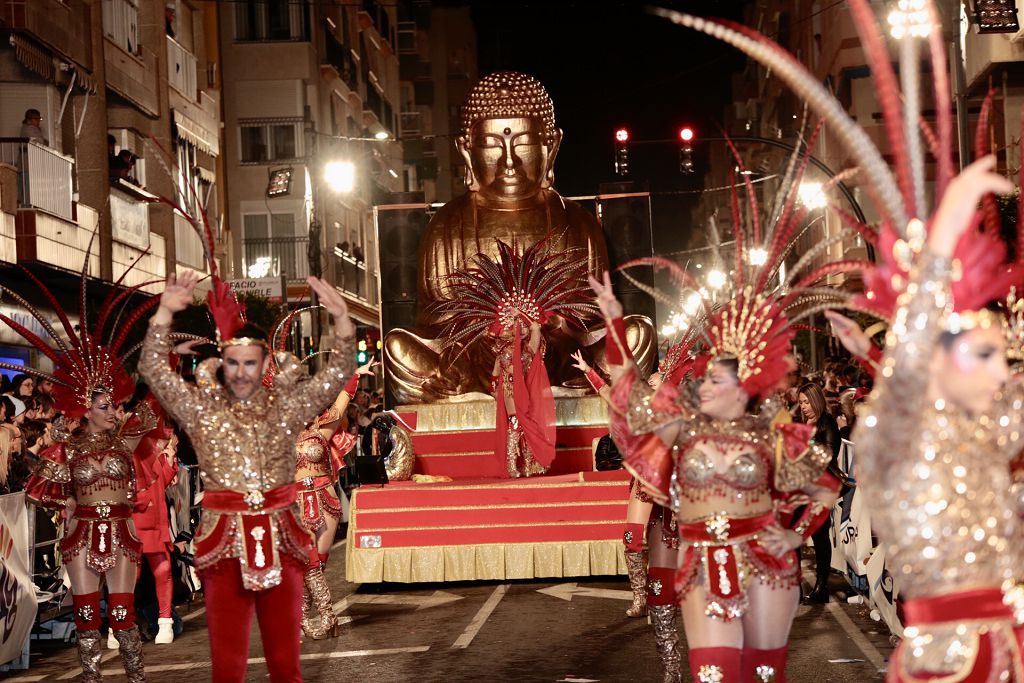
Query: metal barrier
x,y
45,176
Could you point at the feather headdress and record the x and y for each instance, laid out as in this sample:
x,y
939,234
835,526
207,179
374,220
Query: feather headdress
x,y
984,273
489,295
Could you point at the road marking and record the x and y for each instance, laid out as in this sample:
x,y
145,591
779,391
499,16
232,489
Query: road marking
x,y
566,591
481,617
859,639
420,601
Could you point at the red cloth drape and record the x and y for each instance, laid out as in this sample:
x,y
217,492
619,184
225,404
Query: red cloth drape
x,y
535,407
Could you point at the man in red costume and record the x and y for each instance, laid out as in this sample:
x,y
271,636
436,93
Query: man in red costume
x,y
251,550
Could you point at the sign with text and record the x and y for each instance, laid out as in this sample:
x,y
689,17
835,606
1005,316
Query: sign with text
x,y
17,592
269,287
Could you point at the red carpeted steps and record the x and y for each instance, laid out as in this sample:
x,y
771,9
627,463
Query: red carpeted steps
x,y
568,525
482,525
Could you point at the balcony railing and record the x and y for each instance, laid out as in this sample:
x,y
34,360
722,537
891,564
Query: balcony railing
x,y
44,175
181,69
281,256
350,275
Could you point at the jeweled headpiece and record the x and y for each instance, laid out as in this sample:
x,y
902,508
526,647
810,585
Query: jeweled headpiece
x,y
487,296
509,94
750,318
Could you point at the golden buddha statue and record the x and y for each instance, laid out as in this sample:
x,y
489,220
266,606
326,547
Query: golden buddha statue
x,y
509,143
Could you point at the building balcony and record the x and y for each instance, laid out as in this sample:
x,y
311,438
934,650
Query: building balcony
x,y
181,70
48,239
58,24
353,278
410,124
188,245
44,176
132,75
276,257
340,58
984,52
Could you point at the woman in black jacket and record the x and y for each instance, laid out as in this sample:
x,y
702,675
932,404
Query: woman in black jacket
x,y
826,433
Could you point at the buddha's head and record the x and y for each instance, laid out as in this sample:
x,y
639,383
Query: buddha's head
x,y
508,140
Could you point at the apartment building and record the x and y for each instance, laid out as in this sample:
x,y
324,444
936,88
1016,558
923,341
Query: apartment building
x,y
132,75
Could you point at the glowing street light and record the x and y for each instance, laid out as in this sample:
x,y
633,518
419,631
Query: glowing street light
x,y
381,135
909,19
812,195
692,304
716,279
757,256
340,176
259,268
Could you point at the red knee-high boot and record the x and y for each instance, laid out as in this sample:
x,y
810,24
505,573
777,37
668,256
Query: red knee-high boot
x,y
661,607
764,666
87,624
714,664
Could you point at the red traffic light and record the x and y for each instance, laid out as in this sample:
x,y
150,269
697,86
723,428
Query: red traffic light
x,y
686,134
622,135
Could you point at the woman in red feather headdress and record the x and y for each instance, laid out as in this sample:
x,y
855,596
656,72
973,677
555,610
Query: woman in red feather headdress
x,y
89,475
506,302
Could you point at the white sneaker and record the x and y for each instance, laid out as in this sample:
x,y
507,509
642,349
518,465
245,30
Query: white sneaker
x,y
166,633
112,643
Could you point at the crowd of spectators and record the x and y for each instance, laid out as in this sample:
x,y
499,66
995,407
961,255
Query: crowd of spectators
x,y
27,415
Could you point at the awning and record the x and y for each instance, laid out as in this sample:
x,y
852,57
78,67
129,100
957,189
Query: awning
x,y
32,57
44,64
85,80
188,129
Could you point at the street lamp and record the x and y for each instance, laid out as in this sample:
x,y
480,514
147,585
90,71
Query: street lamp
x,y
716,279
812,195
757,256
340,176
910,18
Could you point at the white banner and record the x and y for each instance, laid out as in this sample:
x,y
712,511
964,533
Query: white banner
x,y
17,592
854,553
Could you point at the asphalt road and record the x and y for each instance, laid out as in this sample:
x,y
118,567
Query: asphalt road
x,y
527,631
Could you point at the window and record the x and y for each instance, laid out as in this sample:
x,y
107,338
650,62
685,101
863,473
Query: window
x,y
263,142
270,20
121,24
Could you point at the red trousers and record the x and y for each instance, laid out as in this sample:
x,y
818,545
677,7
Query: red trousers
x,y
229,610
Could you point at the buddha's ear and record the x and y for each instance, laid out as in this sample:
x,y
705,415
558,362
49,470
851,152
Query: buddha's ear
x,y
462,144
549,171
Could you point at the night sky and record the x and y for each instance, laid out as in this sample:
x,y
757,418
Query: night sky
x,y
611,65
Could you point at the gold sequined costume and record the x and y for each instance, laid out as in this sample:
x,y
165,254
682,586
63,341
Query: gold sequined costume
x,y
245,448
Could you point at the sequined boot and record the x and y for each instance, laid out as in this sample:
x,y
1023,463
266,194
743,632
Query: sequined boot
x,y
131,654
89,652
512,440
636,564
307,609
666,636
316,584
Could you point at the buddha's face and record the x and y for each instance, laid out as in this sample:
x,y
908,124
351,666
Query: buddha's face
x,y
508,157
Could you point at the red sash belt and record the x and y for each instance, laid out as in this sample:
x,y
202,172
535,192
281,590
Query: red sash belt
x,y
313,483
724,529
982,604
250,501
118,511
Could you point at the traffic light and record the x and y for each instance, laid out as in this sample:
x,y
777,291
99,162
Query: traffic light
x,y
686,136
362,355
622,152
